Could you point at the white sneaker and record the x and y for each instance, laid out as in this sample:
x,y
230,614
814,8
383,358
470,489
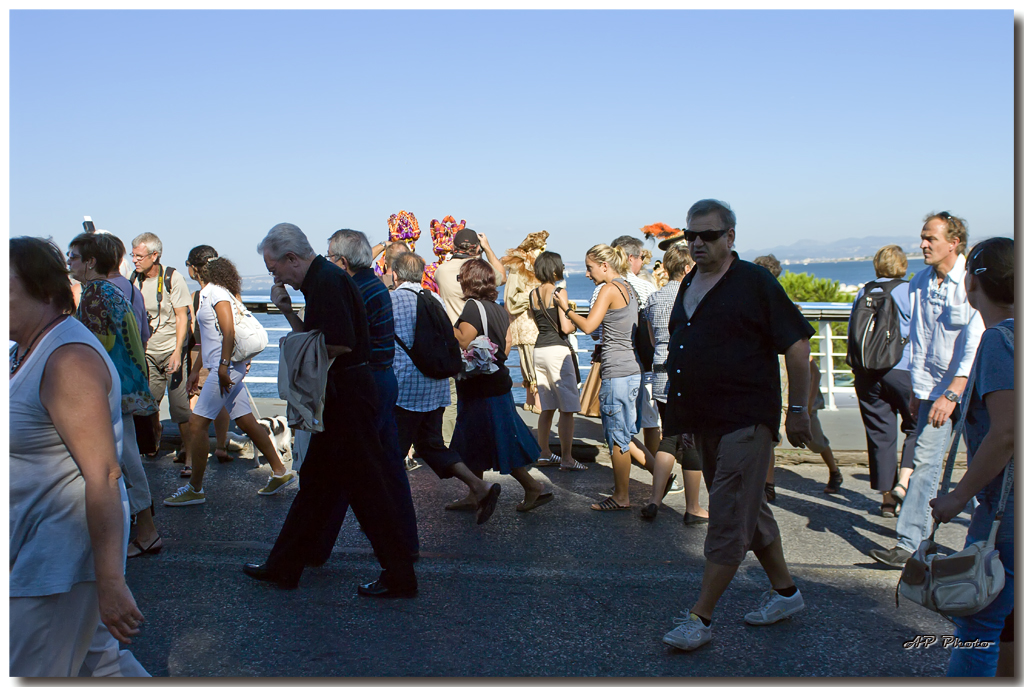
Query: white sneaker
x,y
773,607
690,634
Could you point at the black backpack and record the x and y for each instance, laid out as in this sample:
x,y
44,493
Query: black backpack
x,y
874,343
435,352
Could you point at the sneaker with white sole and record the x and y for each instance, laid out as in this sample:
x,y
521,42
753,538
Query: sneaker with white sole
x,y
186,496
773,607
276,483
690,634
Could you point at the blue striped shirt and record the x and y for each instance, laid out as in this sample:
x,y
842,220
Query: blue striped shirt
x,y
380,318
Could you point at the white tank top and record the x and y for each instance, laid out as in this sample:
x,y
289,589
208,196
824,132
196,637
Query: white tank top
x,y
50,545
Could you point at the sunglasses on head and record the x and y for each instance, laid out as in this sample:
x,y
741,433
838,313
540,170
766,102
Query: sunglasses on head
x,y
705,236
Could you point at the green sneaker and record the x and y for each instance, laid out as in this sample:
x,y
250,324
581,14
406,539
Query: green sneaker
x,y
186,496
276,484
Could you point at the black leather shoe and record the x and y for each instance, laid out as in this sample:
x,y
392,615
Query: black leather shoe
x,y
691,519
261,573
382,590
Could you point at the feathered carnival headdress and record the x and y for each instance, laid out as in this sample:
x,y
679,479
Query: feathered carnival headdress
x,y
662,233
401,227
442,235
521,257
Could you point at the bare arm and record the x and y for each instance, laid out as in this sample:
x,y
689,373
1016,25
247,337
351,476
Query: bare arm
x,y
74,392
499,269
597,312
798,425
993,455
464,334
279,295
563,307
226,320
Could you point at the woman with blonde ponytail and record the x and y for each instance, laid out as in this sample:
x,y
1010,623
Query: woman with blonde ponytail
x,y
615,311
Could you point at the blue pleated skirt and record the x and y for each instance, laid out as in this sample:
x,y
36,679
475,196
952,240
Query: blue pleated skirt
x,y
490,435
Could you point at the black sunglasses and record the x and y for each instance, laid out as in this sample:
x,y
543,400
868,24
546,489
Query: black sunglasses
x,y
705,236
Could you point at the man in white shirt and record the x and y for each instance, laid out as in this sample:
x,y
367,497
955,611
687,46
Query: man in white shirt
x,y
944,334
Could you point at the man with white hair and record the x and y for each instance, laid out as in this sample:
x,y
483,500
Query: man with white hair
x,y
167,307
350,250
344,460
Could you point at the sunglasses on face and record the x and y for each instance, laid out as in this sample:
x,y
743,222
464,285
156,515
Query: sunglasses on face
x,y
704,236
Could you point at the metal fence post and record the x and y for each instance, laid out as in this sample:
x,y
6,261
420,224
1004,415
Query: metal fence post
x,y
825,327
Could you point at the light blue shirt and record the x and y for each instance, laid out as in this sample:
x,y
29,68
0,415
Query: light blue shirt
x,y
944,330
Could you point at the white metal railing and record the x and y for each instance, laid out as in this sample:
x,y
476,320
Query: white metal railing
x,y
823,313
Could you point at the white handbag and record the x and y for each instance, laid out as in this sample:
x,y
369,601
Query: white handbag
x,y
966,582
480,357
250,336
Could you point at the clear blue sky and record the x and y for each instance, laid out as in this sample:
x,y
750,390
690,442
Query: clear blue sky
x,y
210,127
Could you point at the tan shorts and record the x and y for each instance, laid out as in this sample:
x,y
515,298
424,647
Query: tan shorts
x,y
735,468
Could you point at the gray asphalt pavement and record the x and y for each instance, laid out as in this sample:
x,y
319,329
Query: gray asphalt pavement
x,y
558,591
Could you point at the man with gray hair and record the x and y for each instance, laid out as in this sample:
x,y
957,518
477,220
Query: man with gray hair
x,y
167,300
730,320
344,461
350,251
648,411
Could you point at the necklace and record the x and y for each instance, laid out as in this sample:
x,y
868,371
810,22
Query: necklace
x,y
17,360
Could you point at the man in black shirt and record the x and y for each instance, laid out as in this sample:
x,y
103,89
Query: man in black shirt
x,y
345,460
730,321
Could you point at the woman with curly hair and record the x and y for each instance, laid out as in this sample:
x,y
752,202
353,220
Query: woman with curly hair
x,y
221,288
489,434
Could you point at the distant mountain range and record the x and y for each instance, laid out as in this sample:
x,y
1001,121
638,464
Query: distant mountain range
x,y
857,248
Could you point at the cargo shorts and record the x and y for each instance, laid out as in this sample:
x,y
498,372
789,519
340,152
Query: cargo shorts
x,y
735,468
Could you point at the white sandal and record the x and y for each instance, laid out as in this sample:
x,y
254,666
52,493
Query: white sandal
x,y
554,459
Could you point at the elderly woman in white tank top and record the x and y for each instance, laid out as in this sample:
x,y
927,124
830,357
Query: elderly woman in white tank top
x,y
69,509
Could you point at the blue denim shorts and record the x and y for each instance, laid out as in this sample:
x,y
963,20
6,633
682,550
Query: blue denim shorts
x,y
618,409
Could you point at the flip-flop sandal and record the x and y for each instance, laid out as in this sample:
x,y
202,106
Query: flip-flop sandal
x,y
524,506
888,510
554,459
575,467
486,507
186,472
608,504
459,505
154,548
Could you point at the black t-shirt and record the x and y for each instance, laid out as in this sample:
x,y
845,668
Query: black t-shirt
x,y
497,383
335,307
722,364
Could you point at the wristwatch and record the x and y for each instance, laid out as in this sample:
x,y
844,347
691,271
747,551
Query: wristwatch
x,y
951,395
225,362
796,409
